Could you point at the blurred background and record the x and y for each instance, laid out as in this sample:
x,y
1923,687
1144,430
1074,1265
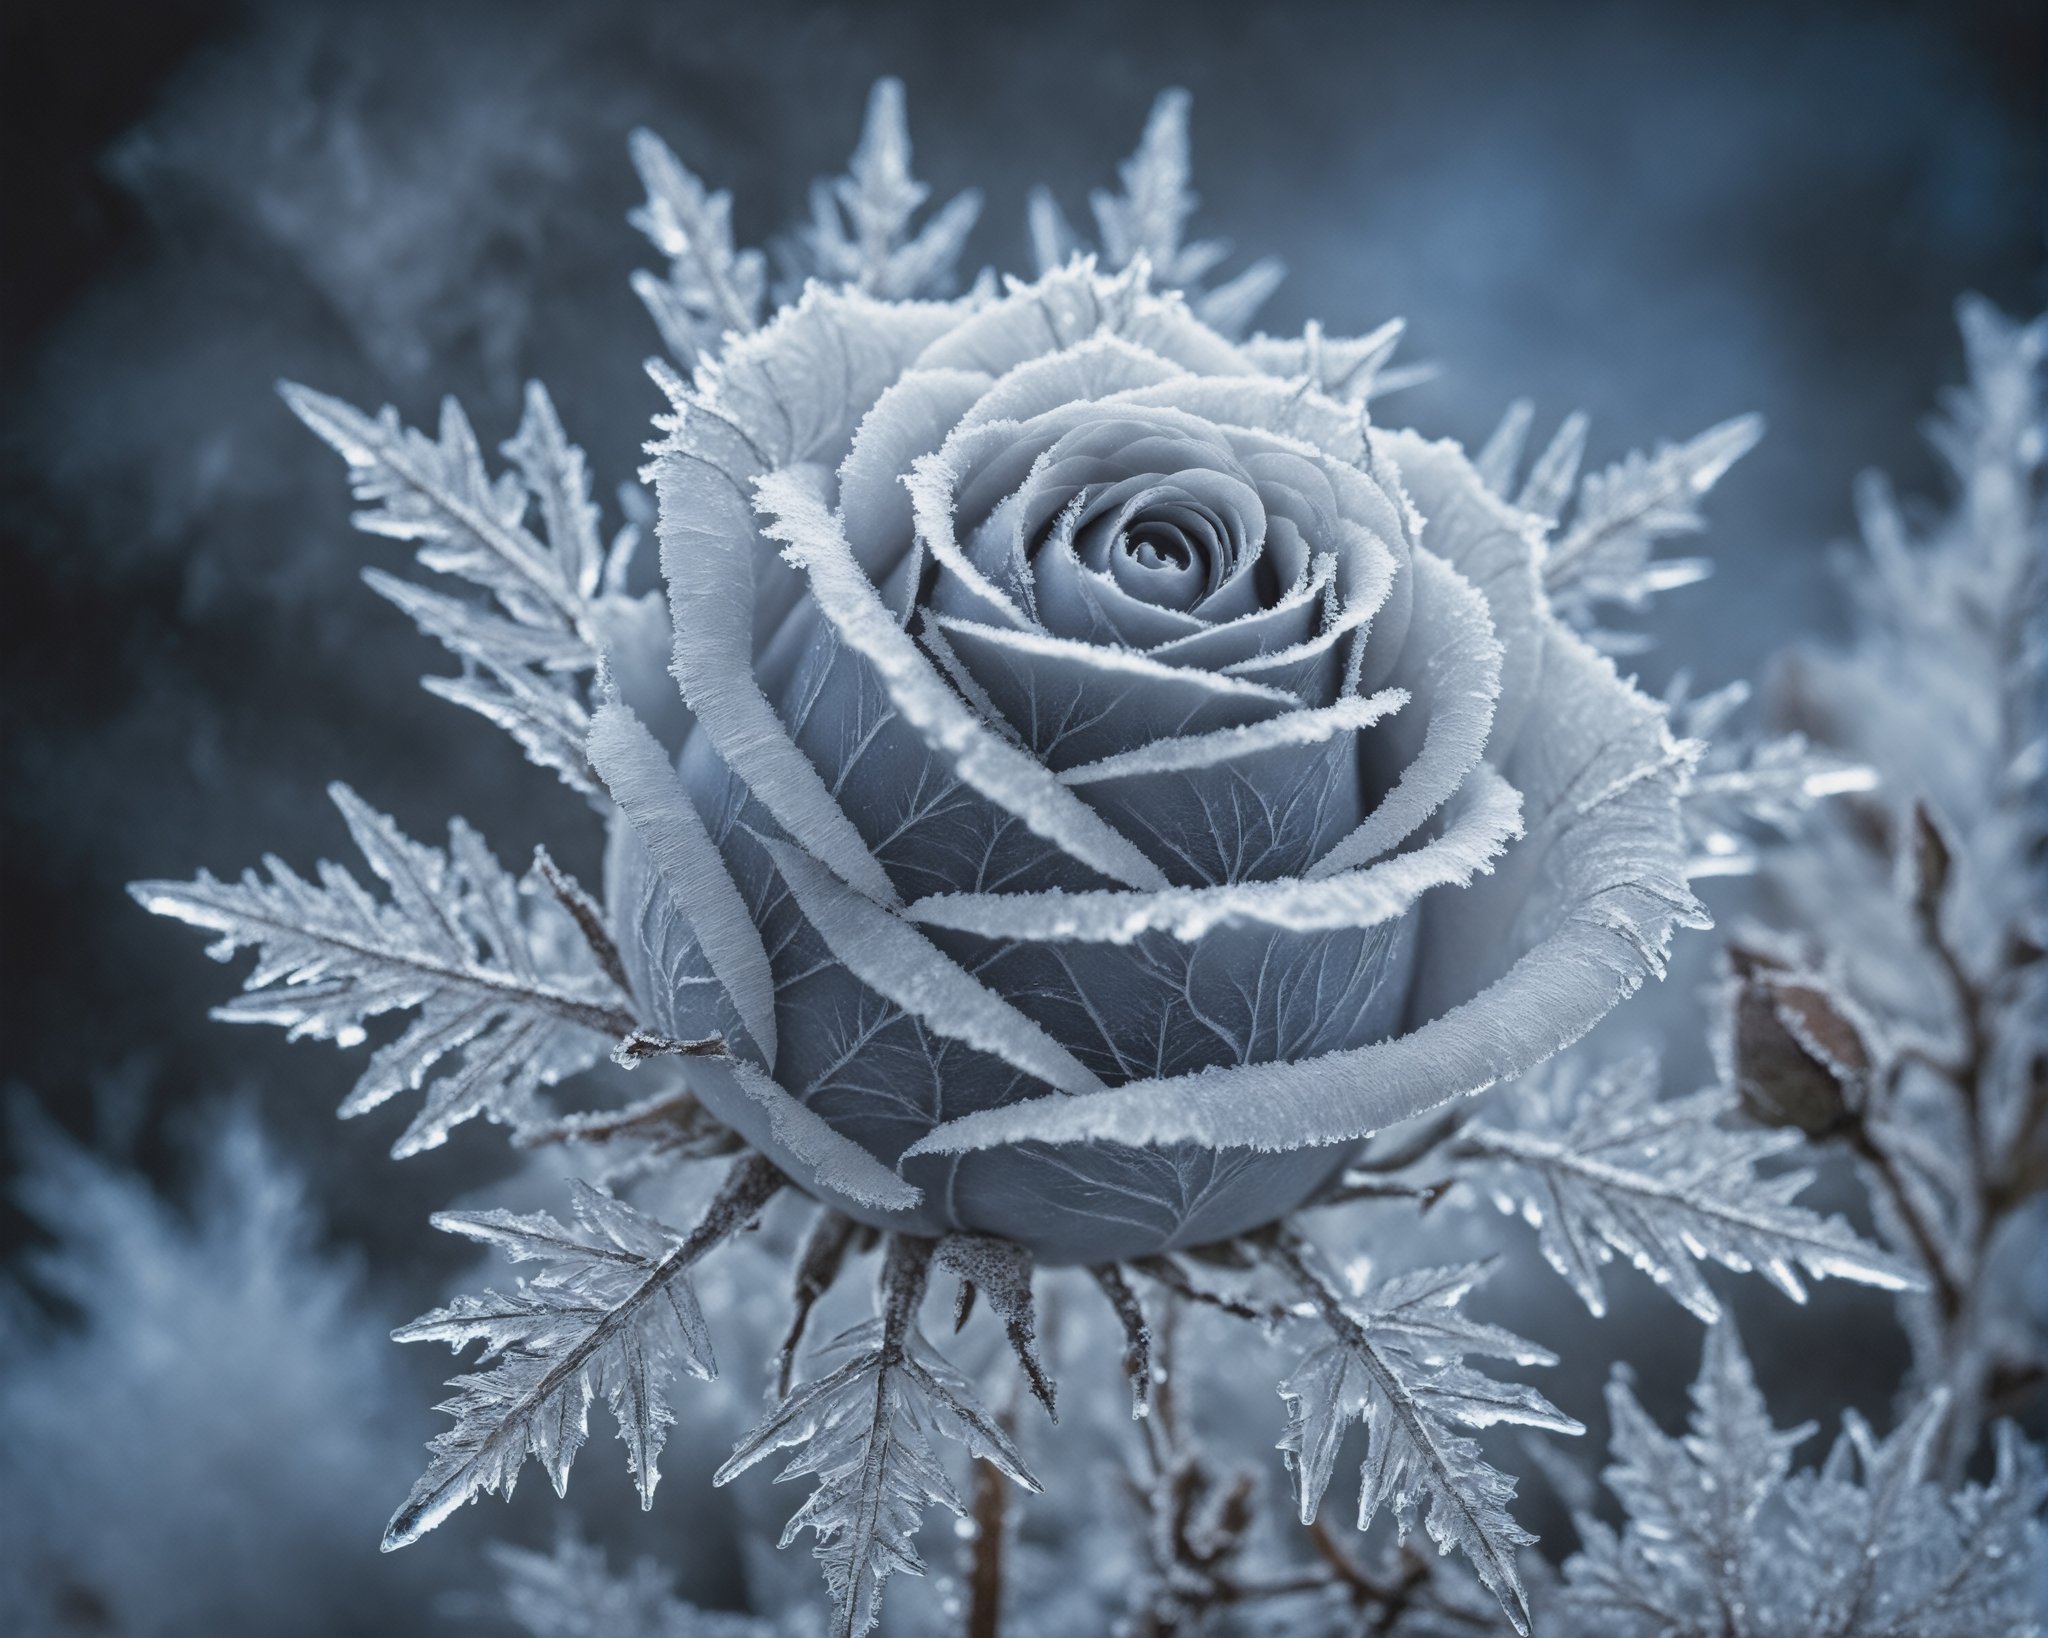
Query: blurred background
x,y
1661,214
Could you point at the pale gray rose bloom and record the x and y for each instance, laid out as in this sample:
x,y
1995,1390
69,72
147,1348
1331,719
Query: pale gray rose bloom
x,y
1115,777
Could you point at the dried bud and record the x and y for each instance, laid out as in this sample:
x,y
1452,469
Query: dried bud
x,y
1798,1058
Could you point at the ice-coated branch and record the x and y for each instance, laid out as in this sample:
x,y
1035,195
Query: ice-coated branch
x,y
614,1314
504,1009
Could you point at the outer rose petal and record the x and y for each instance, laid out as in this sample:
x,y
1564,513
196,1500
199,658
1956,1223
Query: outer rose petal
x,y
1590,899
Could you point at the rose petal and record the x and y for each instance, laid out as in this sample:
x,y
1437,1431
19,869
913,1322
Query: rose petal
x,y
798,516
1073,702
1482,821
900,964
642,781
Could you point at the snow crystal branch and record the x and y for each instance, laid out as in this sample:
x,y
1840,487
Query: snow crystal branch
x,y
865,1431
614,1314
1394,1362
526,666
503,1009
1598,1164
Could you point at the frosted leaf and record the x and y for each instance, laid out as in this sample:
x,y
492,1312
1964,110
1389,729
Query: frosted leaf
x,y
1599,1165
1354,369
1723,1540
1395,1363
573,1593
860,233
1605,553
865,1431
1748,785
711,289
527,654
505,1007
1147,222
613,1315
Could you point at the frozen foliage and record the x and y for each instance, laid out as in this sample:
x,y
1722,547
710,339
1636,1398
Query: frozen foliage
x,y
864,1430
1148,221
1724,1540
572,1593
1923,916
1395,1362
1749,790
508,1002
1598,1164
121,1471
1603,554
555,604
613,1316
860,234
1083,790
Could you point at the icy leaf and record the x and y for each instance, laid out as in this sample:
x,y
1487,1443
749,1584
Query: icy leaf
x,y
504,1008
526,655
614,1314
617,1145
1395,1363
711,289
860,233
865,1431
1606,553
1598,1164
1147,221
1748,785
1722,1540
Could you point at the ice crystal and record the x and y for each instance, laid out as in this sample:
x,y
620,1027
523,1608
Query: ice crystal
x,y
865,1431
1147,222
860,233
613,1315
556,601
1604,554
1395,1362
1598,1164
1724,1540
506,1003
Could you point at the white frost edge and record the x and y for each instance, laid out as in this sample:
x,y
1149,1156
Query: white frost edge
x,y
840,1165
1488,818
1188,752
1464,663
711,595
